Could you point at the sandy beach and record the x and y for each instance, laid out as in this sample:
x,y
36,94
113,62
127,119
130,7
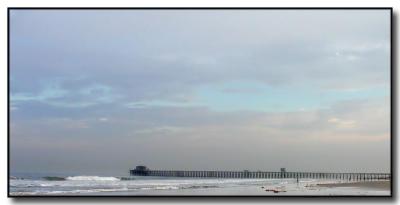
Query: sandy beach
x,y
371,188
376,185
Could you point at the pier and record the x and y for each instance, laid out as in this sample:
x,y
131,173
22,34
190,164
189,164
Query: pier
x,y
144,171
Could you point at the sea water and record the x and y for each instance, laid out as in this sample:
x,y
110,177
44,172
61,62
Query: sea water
x,y
113,185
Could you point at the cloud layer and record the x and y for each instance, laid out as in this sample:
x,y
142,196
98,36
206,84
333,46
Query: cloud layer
x,y
259,89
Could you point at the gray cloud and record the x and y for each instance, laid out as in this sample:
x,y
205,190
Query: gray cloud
x,y
175,51
81,82
324,140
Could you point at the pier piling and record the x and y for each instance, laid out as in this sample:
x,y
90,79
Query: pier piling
x,y
143,171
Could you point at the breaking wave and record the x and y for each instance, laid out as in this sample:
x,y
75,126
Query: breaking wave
x,y
91,178
82,178
49,178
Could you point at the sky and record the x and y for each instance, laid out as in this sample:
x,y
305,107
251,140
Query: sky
x,y
101,91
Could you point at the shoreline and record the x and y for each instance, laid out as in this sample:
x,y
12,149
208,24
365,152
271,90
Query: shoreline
x,y
267,188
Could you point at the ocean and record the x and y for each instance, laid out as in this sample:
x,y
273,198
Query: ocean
x,y
53,185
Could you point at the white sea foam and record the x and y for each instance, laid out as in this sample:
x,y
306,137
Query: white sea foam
x,y
91,178
160,188
87,191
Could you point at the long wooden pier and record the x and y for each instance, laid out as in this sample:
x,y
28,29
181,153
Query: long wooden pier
x,y
143,171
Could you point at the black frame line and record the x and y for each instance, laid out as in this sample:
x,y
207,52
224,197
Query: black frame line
x,y
213,198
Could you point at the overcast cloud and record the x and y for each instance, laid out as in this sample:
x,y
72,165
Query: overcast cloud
x,y
103,91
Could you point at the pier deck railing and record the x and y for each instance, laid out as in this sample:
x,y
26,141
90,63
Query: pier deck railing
x,y
263,175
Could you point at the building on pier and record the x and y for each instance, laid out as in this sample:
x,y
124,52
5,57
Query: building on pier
x,y
140,171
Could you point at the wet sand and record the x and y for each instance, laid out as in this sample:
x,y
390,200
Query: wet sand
x,y
376,185
381,188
